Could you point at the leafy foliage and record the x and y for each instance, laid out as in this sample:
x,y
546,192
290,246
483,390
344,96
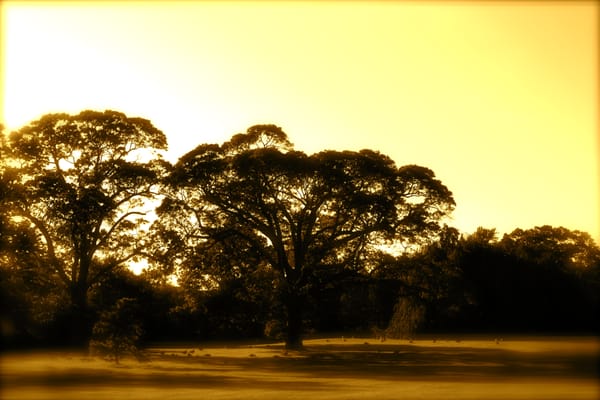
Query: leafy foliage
x,y
263,240
559,247
117,332
80,185
255,202
540,279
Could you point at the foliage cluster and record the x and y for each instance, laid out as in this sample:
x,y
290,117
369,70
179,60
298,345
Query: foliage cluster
x,y
263,240
116,334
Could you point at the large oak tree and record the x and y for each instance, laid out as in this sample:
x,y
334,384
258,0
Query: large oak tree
x,y
255,198
82,183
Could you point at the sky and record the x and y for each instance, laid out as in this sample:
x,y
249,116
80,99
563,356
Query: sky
x,y
499,99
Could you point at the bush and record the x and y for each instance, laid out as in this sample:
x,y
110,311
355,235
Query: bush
x,y
274,330
407,318
117,332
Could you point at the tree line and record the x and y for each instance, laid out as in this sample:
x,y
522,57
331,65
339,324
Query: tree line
x,y
263,240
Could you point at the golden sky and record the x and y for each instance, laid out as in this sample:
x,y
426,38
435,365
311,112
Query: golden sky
x,y
500,99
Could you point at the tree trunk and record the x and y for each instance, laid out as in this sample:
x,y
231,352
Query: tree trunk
x,y
81,320
293,340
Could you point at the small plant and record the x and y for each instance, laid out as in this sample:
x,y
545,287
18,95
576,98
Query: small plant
x,y
117,332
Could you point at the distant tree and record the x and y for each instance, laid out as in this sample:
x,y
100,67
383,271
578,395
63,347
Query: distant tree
x,y
540,279
559,247
423,286
492,283
564,270
255,198
80,184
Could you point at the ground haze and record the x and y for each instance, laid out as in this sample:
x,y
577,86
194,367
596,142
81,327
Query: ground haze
x,y
334,368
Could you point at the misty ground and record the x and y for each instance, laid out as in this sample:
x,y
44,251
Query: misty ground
x,y
334,368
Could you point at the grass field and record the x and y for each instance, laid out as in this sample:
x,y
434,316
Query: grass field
x,y
334,368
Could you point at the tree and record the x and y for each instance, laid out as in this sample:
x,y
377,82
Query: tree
x,y
35,299
423,286
560,247
298,214
540,279
564,268
82,183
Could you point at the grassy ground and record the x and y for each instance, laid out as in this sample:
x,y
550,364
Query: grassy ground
x,y
335,368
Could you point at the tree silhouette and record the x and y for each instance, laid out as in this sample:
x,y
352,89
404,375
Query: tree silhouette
x,y
81,182
563,267
295,213
539,279
424,285
560,247
118,332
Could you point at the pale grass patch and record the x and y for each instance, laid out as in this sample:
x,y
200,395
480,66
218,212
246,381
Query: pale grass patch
x,y
331,368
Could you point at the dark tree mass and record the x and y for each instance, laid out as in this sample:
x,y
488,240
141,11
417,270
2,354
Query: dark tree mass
x,y
262,239
75,188
296,213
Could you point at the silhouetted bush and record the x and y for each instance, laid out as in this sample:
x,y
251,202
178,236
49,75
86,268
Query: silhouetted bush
x,y
408,316
117,332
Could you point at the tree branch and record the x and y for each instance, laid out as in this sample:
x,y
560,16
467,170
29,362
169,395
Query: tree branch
x,y
104,237
49,243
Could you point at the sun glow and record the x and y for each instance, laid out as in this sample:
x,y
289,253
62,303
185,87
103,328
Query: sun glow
x,y
499,99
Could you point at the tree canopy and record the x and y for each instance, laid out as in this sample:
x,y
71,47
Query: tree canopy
x,y
297,213
263,240
80,184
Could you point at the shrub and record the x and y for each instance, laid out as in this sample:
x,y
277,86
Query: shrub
x,y
117,332
407,318
274,330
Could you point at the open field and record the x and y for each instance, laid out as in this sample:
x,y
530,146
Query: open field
x,y
335,368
